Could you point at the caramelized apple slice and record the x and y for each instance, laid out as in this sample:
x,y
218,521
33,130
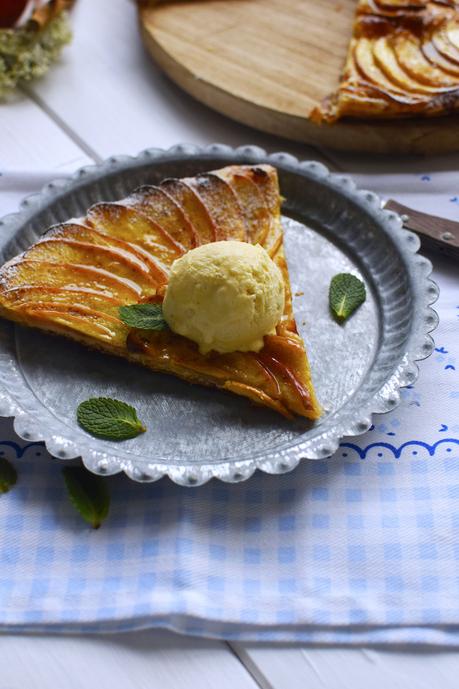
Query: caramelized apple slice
x,y
111,259
386,60
262,176
410,12
56,317
452,31
401,4
194,209
78,296
91,236
265,177
251,201
441,41
257,396
21,272
365,62
222,205
161,208
286,348
408,52
431,53
249,368
164,349
292,390
353,101
126,223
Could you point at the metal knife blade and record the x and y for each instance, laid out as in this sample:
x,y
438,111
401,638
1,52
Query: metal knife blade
x,y
436,234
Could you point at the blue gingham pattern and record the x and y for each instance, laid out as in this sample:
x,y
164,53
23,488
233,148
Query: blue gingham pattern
x,y
362,548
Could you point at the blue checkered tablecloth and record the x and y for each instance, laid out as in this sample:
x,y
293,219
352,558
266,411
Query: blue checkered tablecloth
x,y
362,548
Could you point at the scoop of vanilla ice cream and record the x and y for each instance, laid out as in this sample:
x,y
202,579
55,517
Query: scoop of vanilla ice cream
x,y
225,296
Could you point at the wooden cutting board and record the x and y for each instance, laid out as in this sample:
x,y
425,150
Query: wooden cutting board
x,y
267,63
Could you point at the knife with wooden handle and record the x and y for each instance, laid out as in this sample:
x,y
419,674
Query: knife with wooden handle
x,y
436,234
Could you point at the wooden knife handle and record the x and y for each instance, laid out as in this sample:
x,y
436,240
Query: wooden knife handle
x,y
437,234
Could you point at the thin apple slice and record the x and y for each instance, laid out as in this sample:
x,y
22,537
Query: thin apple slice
x,y
386,60
110,320
63,250
222,205
80,319
445,47
131,225
365,100
410,57
92,236
365,63
452,32
21,272
183,355
377,8
248,368
161,208
193,208
79,296
438,60
401,4
265,177
257,396
251,201
167,350
274,243
298,396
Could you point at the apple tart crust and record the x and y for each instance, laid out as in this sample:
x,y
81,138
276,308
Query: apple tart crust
x,y
403,61
74,279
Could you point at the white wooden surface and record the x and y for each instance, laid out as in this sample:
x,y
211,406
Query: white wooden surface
x,y
337,668
105,97
31,141
124,102
144,660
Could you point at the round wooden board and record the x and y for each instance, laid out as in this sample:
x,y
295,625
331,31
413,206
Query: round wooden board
x,y
267,63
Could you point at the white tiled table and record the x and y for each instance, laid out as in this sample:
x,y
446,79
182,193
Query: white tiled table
x,y
105,98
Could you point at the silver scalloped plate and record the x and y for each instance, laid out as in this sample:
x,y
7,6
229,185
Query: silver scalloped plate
x,y
195,433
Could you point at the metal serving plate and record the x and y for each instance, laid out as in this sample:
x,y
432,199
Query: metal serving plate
x,y
195,433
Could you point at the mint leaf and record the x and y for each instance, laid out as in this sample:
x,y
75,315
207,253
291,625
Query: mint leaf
x,y
8,475
346,294
109,419
88,494
143,316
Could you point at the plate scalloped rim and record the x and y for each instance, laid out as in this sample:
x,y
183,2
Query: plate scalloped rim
x,y
27,422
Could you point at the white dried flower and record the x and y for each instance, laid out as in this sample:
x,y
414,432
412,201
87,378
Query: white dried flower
x,y
27,52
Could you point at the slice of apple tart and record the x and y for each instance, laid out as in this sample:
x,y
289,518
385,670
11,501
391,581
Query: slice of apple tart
x,y
74,280
403,61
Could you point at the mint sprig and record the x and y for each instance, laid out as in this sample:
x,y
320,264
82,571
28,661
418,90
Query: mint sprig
x,y
109,419
88,494
143,316
346,294
8,475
